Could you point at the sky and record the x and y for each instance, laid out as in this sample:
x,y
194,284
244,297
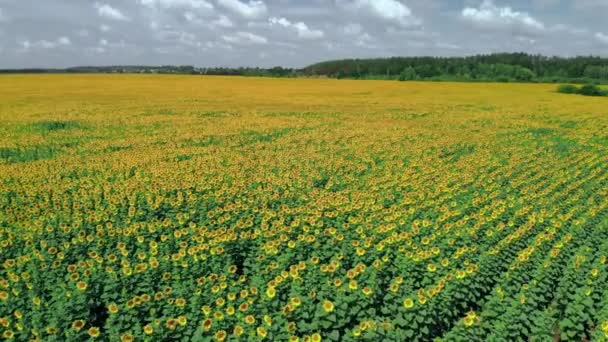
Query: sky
x,y
290,33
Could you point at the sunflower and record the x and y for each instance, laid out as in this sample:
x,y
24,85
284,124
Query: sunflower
x,y
171,324
126,337
262,332
81,285
470,319
219,302
238,330
271,292
207,324
78,324
148,329
296,301
316,337
328,306
220,335
206,310
113,308
180,302
94,332
408,303
249,319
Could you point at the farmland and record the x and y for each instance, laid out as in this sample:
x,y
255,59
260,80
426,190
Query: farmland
x,y
213,208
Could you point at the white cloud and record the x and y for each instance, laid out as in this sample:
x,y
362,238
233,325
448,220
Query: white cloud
x,y
352,29
489,16
545,3
602,37
109,12
590,5
245,38
389,10
254,9
165,4
104,28
64,41
301,28
45,44
223,21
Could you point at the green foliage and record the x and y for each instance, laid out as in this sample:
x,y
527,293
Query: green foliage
x,y
591,90
408,74
586,90
51,126
25,154
501,67
567,89
498,67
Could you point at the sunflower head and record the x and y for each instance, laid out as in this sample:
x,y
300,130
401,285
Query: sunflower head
x,y
78,324
93,332
328,306
148,329
220,335
408,303
262,332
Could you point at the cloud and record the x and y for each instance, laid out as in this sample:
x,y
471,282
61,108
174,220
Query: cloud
x,y
254,9
301,28
490,17
2,16
245,38
64,41
45,44
109,12
352,29
166,4
223,21
388,10
602,37
300,32
590,5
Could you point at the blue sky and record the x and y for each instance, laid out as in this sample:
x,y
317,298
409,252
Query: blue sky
x,y
60,33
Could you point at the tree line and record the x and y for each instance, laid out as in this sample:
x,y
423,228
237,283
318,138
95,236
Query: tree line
x,y
493,67
499,67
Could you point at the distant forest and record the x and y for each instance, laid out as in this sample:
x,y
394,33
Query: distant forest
x,y
500,67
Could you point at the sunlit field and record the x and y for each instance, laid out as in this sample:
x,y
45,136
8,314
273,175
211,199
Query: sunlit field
x,y
211,208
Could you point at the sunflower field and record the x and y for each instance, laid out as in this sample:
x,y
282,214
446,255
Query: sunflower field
x,y
182,208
